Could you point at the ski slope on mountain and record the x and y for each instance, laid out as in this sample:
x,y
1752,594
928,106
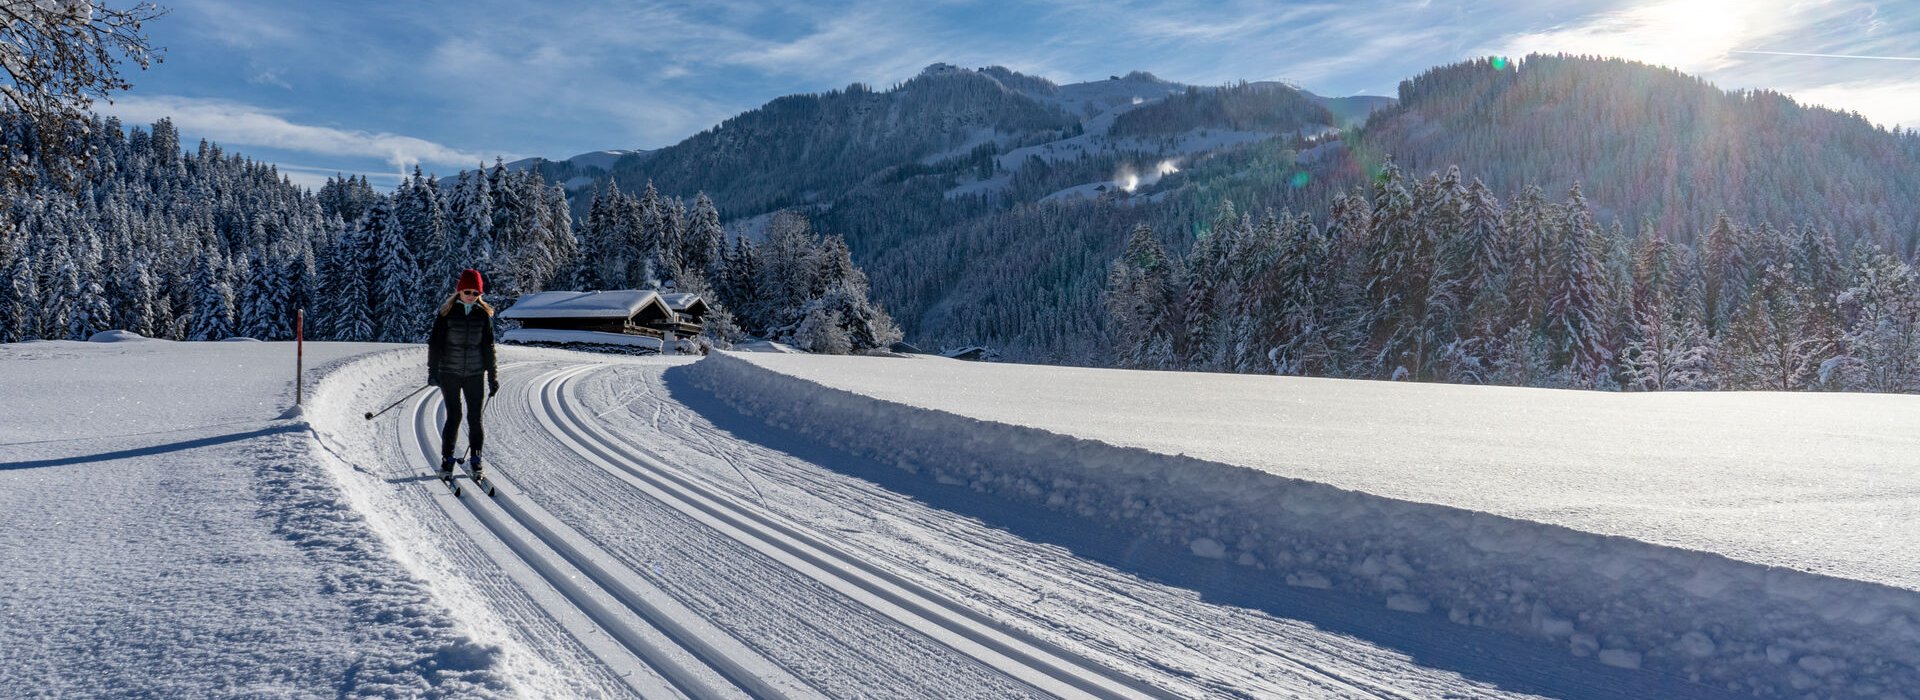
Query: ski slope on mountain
x,y
724,527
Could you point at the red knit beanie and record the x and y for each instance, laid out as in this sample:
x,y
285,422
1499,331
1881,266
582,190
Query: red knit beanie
x,y
470,279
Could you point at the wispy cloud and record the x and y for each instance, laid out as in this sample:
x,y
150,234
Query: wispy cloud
x,y
619,74
313,177
233,123
1841,54
1692,35
269,77
1829,55
1887,103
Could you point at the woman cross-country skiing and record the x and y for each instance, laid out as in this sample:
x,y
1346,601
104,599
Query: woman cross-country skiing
x,y
459,356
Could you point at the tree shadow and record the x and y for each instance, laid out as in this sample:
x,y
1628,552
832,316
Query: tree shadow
x,y
151,450
1501,659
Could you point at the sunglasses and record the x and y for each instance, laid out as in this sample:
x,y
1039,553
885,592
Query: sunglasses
x,y
469,293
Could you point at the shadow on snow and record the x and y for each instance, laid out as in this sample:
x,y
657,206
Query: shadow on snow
x,y
1510,662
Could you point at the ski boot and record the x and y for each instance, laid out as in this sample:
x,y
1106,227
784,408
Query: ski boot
x,y
446,467
474,461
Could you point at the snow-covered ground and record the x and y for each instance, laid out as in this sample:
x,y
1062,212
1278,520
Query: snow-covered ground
x,y
166,531
737,526
1760,541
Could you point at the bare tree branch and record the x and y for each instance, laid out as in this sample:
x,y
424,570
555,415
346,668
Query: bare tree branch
x,y
56,58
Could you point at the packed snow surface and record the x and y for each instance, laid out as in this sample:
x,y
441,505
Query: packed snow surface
x,y
166,531
1822,482
721,527
1757,541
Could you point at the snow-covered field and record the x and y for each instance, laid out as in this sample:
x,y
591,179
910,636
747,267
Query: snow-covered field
x,y
761,525
1757,541
166,531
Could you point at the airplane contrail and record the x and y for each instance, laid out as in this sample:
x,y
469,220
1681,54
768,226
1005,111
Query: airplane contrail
x,y
1833,55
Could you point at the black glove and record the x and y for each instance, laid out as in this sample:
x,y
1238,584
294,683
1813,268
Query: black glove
x,y
493,384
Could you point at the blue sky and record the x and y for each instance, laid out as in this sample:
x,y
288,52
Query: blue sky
x,y
375,87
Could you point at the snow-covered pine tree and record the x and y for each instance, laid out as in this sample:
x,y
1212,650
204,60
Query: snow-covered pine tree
x,y
1347,319
1667,353
1440,205
1198,340
61,285
212,312
263,305
510,209
131,295
1576,323
1310,293
470,221
1399,269
1254,297
1767,343
1723,269
609,230
1527,219
1882,340
739,284
299,276
19,291
822,330
562,243
1140,302
344,310
673,230
700,249
646,228
421,212
863,324
92,314
397,313
1479,256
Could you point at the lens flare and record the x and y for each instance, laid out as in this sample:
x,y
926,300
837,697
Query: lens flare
x,y
1499,62
1300,179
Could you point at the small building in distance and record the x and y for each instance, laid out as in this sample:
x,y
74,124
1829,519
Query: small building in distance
x,y
689,313
641,319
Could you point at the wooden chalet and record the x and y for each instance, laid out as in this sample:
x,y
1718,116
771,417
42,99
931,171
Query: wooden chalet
x,y
689,313
641,312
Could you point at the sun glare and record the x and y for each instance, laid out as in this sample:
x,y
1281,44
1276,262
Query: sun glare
x,y
1691,35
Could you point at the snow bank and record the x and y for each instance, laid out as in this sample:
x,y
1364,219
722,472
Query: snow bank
x,y
1748,627
115,337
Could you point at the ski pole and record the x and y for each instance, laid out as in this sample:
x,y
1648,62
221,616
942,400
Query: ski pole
x,y
371,414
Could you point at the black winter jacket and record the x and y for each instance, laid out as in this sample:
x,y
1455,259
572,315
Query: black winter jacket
x,y
462,342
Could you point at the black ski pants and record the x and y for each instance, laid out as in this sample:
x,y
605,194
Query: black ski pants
x,y
452,388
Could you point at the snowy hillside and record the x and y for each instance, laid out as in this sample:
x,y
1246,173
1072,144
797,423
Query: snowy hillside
x,y
803,526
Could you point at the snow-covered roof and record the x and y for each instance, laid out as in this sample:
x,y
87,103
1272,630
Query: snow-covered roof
x,y
618,303
684,301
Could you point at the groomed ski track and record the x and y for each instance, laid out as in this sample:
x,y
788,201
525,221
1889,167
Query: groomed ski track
x,y
637,548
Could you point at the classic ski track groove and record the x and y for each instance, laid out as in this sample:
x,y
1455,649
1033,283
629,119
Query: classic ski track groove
x,y
576,620
572,566
1033,661
513,591
1305,668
